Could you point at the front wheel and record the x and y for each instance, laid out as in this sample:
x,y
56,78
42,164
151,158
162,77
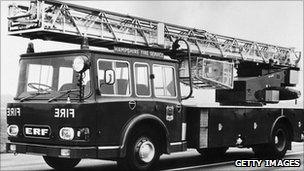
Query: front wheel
x,y
61,163
142,152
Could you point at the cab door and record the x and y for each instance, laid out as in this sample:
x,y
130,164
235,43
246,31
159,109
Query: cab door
x,y
114,99
142,87
166,95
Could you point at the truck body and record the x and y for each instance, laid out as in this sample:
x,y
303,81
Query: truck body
x,y
126,105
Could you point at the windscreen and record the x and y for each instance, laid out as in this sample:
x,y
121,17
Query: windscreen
x,y
49,77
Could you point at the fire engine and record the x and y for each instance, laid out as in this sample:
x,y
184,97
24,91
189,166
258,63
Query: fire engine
x,y
125,104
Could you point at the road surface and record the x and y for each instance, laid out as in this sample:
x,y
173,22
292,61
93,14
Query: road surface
x,y
190,160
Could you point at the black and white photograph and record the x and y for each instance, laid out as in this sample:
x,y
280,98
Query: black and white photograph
x,y
151,85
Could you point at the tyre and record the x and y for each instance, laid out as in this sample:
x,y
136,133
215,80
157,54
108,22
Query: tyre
x,y
278,143
212,152
61,163
142,153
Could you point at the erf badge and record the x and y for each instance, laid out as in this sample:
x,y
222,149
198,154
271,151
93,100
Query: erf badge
x,y
169,113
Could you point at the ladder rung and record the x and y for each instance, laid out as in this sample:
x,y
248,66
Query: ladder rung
x,y
101,26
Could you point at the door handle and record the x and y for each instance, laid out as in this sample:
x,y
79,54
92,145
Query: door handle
x,y
179,108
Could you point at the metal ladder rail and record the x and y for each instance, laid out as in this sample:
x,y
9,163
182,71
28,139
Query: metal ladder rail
x,y
113,27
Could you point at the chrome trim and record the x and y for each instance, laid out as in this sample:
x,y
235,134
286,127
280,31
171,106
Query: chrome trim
x,y
108,147
52,146
184,129
177,143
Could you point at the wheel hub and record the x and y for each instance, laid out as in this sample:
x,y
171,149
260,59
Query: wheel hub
x,y
276,140
146,151
280,140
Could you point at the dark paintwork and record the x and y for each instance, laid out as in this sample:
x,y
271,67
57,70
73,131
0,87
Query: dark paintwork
x,y
107,117
237,121
43,114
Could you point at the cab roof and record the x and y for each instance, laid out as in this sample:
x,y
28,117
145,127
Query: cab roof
x,y
67,52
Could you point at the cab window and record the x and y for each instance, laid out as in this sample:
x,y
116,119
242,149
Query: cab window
x,y
164,81
54,75
65,76
114,77
142,86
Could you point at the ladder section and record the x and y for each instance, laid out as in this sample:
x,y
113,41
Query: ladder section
x,y
64,22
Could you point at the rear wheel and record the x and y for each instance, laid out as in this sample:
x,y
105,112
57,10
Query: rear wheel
x,y
143,152
61,163
278,144
213,152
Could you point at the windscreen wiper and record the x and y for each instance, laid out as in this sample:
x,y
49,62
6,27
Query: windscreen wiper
x,y
33,95
65,92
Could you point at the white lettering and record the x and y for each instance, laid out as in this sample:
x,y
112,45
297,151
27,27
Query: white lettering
x,y
36,131
13,112
44,131
272,162
72,113
248,163
56,113
238,163
283,163
28,131
18,111
64,113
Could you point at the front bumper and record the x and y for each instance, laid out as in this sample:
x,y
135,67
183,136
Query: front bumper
x,y
63,151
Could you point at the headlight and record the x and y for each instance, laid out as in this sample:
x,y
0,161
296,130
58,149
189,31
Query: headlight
x,y
12,130
80,64
66,133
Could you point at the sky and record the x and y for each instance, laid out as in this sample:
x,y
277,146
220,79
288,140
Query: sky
x,y
274,22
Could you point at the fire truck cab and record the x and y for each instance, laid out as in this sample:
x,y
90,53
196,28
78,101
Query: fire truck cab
x,y
89,103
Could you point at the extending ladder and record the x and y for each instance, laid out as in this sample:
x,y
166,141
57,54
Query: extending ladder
x,y
64,22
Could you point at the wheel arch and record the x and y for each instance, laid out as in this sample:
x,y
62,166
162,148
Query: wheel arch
x,y
285,121
144,120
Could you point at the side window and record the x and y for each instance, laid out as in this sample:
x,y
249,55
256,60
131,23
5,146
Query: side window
x,y
142,86
121,84
164,81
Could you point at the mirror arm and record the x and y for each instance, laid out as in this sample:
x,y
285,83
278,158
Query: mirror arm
x,y
81,88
